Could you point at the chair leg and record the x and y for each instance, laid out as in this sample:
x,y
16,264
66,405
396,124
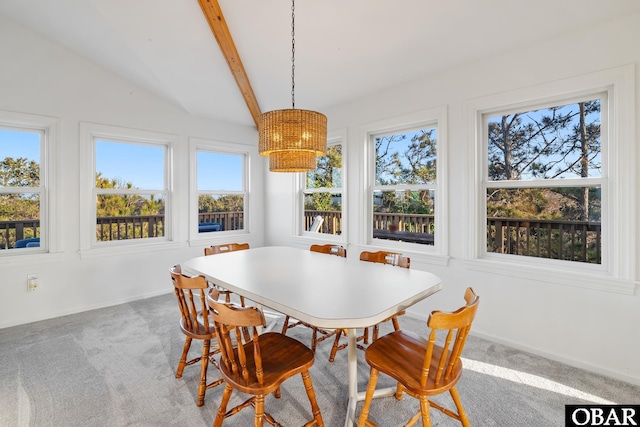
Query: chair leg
x,y
222,410
314,339
399,391
396,323
285,325
258,421
424,410
204,364
456,399
183,358
364,413
311,394
336,343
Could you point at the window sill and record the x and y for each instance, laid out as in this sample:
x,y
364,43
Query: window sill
x,y
127,249
219,237
595,280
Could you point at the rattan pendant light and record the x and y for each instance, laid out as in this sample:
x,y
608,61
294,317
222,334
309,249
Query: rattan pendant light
x,y
292,138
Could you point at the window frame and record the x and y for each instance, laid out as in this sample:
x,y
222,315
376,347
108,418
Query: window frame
x,y
301,190
197,144
432,118
49,207
89,134
616,273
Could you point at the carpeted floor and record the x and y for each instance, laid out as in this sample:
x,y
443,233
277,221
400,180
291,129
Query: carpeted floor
x,y
116,367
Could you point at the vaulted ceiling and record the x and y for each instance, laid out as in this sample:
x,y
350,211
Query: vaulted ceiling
x,y
344,48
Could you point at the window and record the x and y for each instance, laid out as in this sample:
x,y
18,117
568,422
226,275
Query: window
x,y
555,182
406,190
130,195
322,193
221,190
24,191
544,181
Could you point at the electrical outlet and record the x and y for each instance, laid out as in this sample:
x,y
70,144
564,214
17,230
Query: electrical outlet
x,y
32,282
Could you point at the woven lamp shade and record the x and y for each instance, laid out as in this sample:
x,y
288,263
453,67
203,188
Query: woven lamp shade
x,y
292,161
292,139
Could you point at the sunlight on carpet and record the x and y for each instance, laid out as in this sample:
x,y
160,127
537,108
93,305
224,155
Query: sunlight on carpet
x,y
530,380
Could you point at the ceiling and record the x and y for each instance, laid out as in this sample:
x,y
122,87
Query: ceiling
x,y
344,48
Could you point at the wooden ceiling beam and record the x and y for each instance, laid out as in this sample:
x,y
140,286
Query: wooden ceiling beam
x,y
218,25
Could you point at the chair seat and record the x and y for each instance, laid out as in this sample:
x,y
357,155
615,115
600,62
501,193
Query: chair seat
x,y
198,332
401,355
287,357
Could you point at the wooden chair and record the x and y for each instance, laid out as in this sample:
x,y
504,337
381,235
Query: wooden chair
x,y
329,249
324,334
422,367
382,257
220,249
227,247
195,324
259,365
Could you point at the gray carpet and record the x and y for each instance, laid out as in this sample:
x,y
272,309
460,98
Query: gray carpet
x,y
116,367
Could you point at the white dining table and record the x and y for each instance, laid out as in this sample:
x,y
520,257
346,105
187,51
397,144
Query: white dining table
x,y
323,290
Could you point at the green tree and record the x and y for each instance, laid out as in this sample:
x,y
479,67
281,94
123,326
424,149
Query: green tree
x,y
225,203
20,172
326,175
545,144
109,205
416,164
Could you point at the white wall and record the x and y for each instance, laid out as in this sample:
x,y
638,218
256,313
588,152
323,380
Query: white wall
x,y
37,77
596,330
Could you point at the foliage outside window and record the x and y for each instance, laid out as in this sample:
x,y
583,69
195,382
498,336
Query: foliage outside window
x,y
221,191
22,191
323,193
130,190
544,181
405,184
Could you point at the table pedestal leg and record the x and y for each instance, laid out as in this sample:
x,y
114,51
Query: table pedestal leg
x,y
354,395
353,378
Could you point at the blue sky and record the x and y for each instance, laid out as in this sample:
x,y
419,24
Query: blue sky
x,y
142,165
20,144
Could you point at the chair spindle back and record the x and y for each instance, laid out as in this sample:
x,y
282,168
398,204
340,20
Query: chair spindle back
x,y
457,326
191,293
231,322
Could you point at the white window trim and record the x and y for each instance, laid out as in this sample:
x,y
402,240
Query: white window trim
x,y
437,254
49,184
197,239
617,273
302,236
89,247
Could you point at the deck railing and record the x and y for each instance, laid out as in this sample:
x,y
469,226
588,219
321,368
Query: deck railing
x,y
12,231
564,240
116,227
110,228
228,220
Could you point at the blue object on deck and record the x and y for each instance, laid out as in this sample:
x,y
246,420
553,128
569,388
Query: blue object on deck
x,y
206,227
34,242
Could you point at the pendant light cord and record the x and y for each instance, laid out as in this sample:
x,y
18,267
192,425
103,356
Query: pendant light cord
x,y
293,54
